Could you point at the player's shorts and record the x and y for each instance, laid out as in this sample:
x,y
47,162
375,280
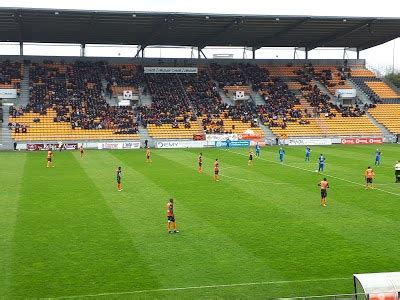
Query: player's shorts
x,y
250,157
200,164
369,180
171,218
216,172
148,156
118,180
49,159
324,193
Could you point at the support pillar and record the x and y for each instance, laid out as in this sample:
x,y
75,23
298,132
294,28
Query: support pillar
x,y
198,53
83,50
21,48
306,51
253,49
358,53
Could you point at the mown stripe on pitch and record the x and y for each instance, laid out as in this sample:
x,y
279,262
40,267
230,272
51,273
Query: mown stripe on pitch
x,y
297,201
67,239
12,169
203,253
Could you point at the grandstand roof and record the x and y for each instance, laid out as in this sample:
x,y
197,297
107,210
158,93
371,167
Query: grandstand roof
x,y
188,29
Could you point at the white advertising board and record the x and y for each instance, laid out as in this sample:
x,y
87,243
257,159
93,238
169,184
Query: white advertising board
x,y
8,93
119,145
308,142
214,137
170,70
181,144
345,93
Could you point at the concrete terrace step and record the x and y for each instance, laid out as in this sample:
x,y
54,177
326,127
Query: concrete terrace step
x,y
257,98
360,93
24,94
6,142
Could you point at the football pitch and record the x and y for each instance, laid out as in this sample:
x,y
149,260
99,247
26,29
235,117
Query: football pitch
x,y
257,233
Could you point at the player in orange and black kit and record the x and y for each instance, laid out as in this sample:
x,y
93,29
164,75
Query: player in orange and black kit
x,y
324,185
148,155
49,159
171,216
216,170
200,160
119,185
251,156
369,176
82,152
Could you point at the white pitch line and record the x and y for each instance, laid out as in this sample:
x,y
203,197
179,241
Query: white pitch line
x,y
249,180
204,287
339,178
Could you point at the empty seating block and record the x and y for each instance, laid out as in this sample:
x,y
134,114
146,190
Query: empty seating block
x,y
382,89
362,73
165,131
388,115
338,126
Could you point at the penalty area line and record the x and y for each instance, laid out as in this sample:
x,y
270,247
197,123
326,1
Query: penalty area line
x,y
205,287
325,174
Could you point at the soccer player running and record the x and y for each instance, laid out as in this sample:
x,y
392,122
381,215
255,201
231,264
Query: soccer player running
x,y
308,154
148,155
200,161
378,157
281,155
258,150
369,176
171,216
321,163
251,156
119,185
324,185
216,170
82,152
49,159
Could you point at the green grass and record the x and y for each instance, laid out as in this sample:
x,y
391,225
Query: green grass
x,y
66,231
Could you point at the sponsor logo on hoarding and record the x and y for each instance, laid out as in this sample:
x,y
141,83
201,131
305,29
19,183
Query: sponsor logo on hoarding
x,y
241,143
358,141
309,142
222,137
131,145
48,146
167,70
181,144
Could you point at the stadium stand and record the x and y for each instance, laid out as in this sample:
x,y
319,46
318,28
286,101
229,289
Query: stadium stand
x,y
122,77
297,107
170,114
331,76
66,103
11,75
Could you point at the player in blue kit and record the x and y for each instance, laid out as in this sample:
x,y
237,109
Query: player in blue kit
x,y
228,143
258,150
321,163
378,157
308,154
281,155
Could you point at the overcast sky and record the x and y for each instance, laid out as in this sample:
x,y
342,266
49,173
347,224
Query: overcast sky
x,y
379,56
